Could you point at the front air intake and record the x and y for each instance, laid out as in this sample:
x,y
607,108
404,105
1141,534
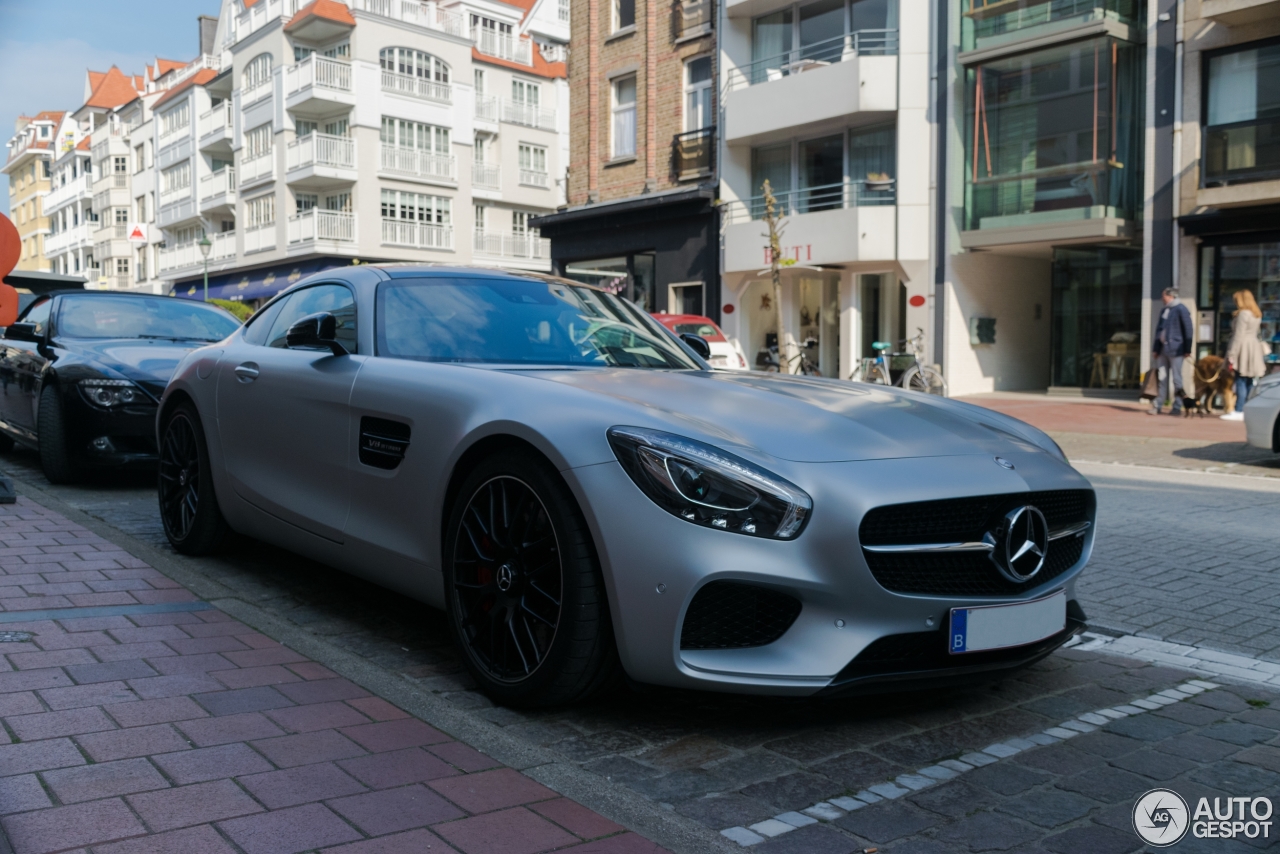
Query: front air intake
x,y
733,615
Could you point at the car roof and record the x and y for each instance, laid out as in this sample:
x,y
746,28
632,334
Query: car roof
x,y
413,270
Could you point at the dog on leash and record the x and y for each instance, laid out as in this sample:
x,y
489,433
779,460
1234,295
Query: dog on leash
x,y
1213,377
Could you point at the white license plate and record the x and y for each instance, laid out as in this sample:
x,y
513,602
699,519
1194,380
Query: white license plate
x,y
1001,626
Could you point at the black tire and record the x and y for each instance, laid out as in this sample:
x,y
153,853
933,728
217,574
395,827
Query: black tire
x,y
522,643
59,464
6,443
189,509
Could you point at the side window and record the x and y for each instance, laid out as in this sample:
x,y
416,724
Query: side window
x,y
259,325
335,299
38,314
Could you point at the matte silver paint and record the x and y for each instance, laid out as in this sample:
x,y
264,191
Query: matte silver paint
x,y
284,447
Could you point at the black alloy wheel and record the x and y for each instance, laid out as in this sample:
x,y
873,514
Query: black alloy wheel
x,y
188,507
525,596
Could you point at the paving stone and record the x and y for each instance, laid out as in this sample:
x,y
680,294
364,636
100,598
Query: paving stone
x,y
622,769
1232,777
398,768
57,724
887,822
1153,764
307,783
38,756
1261,755
211,763
192,840
793,791
243,700
394,735
1095,840
322,691
858,770
1006,778
1105,744
308,748
291,830
678,785
816,839
725,810
1196,747
81,696
1048,808
329,715
491,790
110,671
955,799
689,752
160,711
516,830
22,793
104,780
65,828
1238,733
576,818
179,685
1106,783
419,840
580,748
1061,759
211,731
190,805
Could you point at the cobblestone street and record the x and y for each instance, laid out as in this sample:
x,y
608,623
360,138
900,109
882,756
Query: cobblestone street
x,y
1177,557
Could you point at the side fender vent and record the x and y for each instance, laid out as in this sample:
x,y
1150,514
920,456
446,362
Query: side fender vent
x,y
733,615
383,443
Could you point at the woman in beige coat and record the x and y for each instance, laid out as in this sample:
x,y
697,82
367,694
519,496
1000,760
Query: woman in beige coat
x,y
1245,353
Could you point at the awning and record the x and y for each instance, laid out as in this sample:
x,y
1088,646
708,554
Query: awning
x,y
262,283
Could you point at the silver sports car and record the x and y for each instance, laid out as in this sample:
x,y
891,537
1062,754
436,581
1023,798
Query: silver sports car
x,y
584,497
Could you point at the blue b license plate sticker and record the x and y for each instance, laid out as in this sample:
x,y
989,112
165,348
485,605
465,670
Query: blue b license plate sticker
x,y
1002,626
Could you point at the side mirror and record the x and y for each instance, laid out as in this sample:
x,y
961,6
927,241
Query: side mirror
x,y
315,331
22,332
697,344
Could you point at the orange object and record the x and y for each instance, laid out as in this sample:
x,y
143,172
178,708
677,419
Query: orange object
x,y
10,250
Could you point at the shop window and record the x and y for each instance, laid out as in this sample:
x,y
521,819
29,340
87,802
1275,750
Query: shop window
x,y
1096,320
1055,135
1242,115
1231,267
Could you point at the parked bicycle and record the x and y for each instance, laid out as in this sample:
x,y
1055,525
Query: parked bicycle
x,y
767,358
909,368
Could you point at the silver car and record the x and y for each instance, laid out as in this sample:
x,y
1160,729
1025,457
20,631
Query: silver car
x,y
583,496
1262,413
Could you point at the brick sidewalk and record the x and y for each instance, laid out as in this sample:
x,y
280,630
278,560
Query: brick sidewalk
x,y
139,720
1112,417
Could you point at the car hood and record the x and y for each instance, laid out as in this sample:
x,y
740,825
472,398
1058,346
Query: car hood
x,y
149,363
804,419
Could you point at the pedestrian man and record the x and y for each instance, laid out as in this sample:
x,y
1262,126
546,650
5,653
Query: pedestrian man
x,y
1172,345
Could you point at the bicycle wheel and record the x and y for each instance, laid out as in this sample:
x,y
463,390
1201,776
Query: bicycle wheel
x,y
925,379
872,373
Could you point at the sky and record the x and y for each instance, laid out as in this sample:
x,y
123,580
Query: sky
x,y
47,45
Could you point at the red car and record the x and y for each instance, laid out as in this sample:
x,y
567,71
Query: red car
x,y
724,353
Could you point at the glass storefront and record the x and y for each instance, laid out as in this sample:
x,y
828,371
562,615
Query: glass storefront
x,y
1230,267
986,21
1097,317
628,275
1055,135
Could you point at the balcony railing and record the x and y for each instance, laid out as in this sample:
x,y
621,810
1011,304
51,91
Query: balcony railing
x,y
177,194
316,224
534,178
529,115
215,120
693,153
816,55
417,87
418,164
74,189
519,246
112,231
321,149
206,61
1241,152
506,46
260,168
257,93
61,241
486,176
320,72
692,17
487,108
416,235
427,14
829,197
188,255
168,133
219,183
258,238
988,18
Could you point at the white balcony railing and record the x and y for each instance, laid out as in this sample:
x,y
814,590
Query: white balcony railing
x,y
418,164
506,46
59,242
416,87
321,149
487,107
260,168
519,246
534,178
428,14
418,235
215,120
316,224
219,183
188,255
320,72
76,188
529,115
177,194
486,176
258,238
257,93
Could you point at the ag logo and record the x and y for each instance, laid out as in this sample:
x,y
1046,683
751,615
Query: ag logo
x,y
1160,818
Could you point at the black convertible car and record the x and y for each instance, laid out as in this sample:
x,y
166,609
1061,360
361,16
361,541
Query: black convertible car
x,y
81,373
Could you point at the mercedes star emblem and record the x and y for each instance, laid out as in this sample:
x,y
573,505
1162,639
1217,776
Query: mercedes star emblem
x,y
506,577
1020,543
1003,463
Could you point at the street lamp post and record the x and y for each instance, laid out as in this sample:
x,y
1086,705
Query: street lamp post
x,y
205,245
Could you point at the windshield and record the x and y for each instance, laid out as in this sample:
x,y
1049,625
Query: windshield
x,y
142,317
519,321
708,331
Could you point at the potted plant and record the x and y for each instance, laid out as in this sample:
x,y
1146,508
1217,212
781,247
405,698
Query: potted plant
x,y
878,181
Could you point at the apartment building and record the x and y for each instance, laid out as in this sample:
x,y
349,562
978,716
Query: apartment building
x,y
1223,216
334,133
29,166
828,101
640,218
1044,114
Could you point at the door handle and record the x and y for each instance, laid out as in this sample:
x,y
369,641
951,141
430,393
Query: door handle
x,y
246,373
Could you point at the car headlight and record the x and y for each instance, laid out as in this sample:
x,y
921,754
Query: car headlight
x,y
111,393
710,487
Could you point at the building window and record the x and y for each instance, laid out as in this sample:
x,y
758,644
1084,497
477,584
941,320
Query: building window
x,y
533,165
480,217
176,178
122,266
826,31
562,7
339,202
478,78
624,14
520,224
176,119
413,63
257,142
697,94
524,92
303,127
139,159
187,236
260,211
1242,115
337,127
257,72
416,207
121,216
305,201
629,276
140,208
624,117
120,165
45,169
407,134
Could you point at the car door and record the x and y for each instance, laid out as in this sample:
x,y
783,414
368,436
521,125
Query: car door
x,y
283,415
21,370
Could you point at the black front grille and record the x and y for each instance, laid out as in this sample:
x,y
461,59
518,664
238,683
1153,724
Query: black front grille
x,y
732,615
959,520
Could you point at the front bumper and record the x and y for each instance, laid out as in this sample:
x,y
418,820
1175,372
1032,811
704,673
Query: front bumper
x,y
655,564
109,438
